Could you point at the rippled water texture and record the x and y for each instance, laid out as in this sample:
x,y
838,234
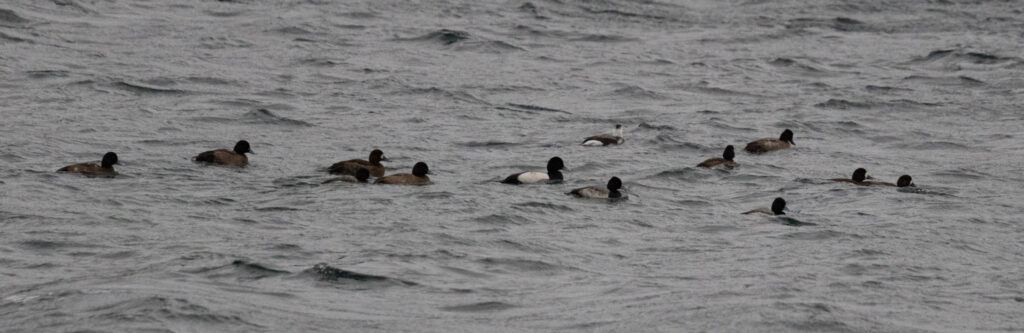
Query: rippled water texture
x,y
480,91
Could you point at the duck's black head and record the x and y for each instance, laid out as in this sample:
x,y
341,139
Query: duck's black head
x,y
860,175
729,153
362,175
420,169
242,147
614,184
778,206
555,164
905,181
376,156
109,159
787,136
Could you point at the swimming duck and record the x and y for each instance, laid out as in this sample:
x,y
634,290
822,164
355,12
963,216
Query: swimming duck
x,y
858,177
611,191
905,181
778,207
554,174
361,176
106,166
606,139
350,167
726,159
768,144
235,157
418,176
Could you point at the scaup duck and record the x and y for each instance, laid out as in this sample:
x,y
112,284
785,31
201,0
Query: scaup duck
x,y
606,139
726,159
858,177
350,167
418,176
361,177
106,166
778,207
611,191
235,157
554,174
905,181
768,144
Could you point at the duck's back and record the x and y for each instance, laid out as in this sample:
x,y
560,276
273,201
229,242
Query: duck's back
x,y
590,192
402,179
87,168
766,145
712,162
350,167
223,156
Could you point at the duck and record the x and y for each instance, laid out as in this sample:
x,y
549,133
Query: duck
x,y
554,174
611,191
361,177
234,157
351,167
858,177
418,176
905,181
726,159
606,139
768,144
778,208
106,166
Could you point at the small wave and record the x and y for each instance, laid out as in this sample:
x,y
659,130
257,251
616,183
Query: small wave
x,y
657,127
142,89
443,37
479,307
479,144
265,116
599,38
960,56
8,18
543,205
843,104
528,107
490,46
501,219
636,92
521,265
939,145
884,89
453,95
946,81
845,24
326,272
793,64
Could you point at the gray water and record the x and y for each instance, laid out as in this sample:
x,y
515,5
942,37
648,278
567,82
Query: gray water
x,y
480,91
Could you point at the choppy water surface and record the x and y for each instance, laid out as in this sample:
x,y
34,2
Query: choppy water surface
x,y
482,90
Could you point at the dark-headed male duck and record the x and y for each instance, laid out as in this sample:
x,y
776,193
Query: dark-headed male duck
x,y
350,167
778,208
726,159
611,191
606,139
235,157
418,176
106,166
768,144
860,177
361,177
554,174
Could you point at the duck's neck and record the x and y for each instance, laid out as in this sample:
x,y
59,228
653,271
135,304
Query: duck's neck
x,y
554,175
614,194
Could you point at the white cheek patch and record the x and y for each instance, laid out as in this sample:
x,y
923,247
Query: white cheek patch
x,y
532,177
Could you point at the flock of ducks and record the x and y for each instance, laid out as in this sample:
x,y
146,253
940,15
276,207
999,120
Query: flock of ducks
x,y
360,170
